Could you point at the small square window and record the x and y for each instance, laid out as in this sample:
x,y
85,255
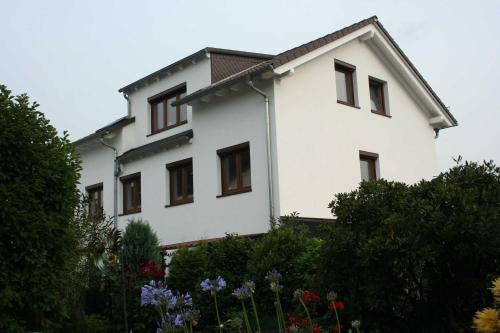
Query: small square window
x,y
94,193
181,182
163,114
131,193
368,166
377,99
345,83
235,169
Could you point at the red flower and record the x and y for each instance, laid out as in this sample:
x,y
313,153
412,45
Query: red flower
x,y
304,323
316,329
308,296
339,305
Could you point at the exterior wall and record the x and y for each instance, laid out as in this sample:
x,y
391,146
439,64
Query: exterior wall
x,y
216,125
97,167
318,140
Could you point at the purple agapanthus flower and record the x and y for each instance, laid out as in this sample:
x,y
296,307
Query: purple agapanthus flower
x,y
155,294
274,278
213,286
192,316
331,295
241,293
250,285
179,320
184,300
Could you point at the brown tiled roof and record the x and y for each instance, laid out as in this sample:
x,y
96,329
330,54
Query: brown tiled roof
x,y
303,49
224,65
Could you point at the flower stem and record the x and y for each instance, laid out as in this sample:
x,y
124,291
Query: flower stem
x,y
217,313
245,316
357,330
255,314
337,316
307,312
280,310
278,319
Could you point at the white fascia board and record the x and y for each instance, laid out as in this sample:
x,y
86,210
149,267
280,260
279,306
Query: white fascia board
x,y
375,38
322,50
418,88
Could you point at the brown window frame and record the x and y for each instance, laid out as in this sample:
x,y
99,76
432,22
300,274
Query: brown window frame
x,y
176,91
225,153
182,166
380,86
348,71
372,159
96,188
135,177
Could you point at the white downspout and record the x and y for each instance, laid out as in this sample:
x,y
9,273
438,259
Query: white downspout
x,y
270,181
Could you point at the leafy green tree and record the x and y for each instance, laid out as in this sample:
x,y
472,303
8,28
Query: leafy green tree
x,y
39,171
416,258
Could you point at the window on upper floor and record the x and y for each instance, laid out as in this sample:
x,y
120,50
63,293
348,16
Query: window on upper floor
x,y
344,79
181,182
163,114
368,165
235,169
94,193
377,98
131,193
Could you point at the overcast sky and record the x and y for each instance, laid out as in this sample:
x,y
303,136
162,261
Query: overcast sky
x,y
73,56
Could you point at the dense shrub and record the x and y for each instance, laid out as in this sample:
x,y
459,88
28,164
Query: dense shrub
x,y
38,177
290,249
227,257
416,258
287,248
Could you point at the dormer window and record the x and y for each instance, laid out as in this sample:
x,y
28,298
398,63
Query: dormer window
x,y
165,116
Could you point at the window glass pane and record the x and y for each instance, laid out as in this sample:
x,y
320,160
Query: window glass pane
x,y
245,168
366,169
138,193
171,112
158,114
375,97
129,188
229,167
341,80
177,183
92,202
183,109
190,180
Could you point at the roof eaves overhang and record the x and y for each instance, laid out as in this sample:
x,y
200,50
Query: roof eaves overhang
x,y
245,75
115,125
156,146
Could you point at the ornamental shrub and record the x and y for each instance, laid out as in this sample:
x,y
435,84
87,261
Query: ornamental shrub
x,y
416,258
227,257
139,244
39,171
290,249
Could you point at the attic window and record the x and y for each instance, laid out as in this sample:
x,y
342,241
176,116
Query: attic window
x,y
377,98
344,79
165,116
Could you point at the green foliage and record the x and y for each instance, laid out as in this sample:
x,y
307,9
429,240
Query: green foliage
x,y
139,244
227,257
287,247
38,177
416,258
290,249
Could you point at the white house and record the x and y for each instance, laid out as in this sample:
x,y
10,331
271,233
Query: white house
x,y
222,140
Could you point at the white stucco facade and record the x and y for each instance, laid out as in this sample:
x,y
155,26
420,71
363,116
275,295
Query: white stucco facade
x,y
315,141
319,139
